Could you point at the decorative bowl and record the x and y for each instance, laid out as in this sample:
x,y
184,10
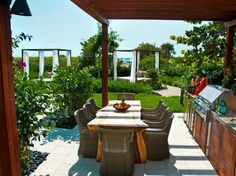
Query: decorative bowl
x,y
121,106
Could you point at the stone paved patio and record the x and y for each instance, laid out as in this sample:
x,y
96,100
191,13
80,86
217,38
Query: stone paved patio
x,y
62,145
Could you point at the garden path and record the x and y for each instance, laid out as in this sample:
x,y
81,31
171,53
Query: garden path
x,y
169,91
186,158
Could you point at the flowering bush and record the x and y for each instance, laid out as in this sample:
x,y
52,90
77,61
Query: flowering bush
x,y
31,99
21,64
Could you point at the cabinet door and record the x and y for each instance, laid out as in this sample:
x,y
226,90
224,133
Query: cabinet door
x,y
203,139
215,143
227,156
197,128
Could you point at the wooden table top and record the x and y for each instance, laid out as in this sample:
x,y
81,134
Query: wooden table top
x,y
110,117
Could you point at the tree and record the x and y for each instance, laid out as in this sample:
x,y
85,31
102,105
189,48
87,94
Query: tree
x,y
207,41
167,50
147,57
92,50
148,47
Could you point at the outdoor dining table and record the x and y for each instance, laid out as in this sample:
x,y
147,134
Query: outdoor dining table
x,y
109,117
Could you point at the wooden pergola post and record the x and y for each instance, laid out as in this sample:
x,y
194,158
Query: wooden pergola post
x,y
9,147
104,64
229,48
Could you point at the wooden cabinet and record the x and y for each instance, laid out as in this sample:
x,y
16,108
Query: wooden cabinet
x,y
197,127
200,132
227,154
215,143
222,149
203,139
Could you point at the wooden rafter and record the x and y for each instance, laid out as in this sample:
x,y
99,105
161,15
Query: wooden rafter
x,y
91,11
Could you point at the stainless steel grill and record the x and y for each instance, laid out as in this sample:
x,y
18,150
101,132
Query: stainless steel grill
x,y
207,100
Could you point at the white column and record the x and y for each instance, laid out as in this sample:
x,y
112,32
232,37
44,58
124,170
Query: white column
x,y
68,58
138,59
115,65
133,68
41,63
26,61
55,60
157,60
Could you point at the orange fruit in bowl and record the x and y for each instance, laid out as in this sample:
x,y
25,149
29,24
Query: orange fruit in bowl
x,y
121,106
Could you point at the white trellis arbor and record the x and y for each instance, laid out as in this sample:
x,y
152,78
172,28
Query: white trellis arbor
x,y
134,63
55,58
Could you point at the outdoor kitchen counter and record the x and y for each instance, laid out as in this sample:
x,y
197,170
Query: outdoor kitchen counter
x,y
228,121
222,144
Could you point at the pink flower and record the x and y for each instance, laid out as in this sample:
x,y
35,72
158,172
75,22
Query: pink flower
x,y
21,64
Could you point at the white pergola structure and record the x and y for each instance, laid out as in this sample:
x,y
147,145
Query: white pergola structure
x,y
55,58
134,63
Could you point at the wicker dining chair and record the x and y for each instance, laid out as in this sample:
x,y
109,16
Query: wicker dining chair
x,y
155,110
156,140
117,152
159,123
88,139
94,106
155,117
89,111
125,96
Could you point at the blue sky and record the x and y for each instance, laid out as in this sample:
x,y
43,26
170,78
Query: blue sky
x,y
61,24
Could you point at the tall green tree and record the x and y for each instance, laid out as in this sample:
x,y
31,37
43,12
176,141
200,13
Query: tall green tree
x,y
148,47
92,48
167,50
207,41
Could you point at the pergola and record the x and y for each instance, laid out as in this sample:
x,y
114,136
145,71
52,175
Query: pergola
x,y
55,58
134,62
102,11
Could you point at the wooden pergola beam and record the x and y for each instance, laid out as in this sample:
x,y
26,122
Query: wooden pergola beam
x,y
9,147
91,11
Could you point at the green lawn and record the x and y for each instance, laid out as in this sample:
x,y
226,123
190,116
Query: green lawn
x,y
147,100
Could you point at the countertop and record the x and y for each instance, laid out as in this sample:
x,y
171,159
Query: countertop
x,y
228,121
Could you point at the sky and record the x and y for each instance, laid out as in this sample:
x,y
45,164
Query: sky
x,y
61,24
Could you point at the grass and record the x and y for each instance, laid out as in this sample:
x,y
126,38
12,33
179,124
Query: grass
x,y
147,100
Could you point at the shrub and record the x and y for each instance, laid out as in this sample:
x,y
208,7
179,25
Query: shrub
x,y
72,87
123,70
172,81
31,99
146,63
172,71
122,86
155,80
